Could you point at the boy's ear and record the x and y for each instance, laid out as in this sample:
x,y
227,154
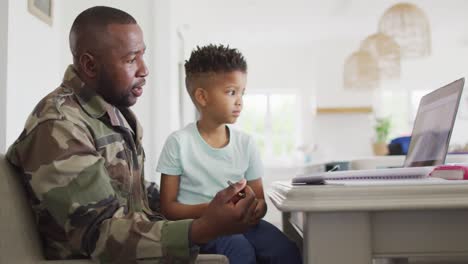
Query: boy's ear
x,y
201,96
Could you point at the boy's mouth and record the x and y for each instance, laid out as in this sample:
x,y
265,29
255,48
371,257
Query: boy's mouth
x,y
236,113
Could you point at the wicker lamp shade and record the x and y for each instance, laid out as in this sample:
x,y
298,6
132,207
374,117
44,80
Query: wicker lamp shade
x,y
361,71
409,27
387,53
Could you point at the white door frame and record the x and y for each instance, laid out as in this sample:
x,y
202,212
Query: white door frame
x,y
3,72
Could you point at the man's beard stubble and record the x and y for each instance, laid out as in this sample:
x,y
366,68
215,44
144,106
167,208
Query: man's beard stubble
x,y
109,91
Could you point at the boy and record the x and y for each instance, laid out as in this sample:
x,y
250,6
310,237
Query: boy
x,y
200,159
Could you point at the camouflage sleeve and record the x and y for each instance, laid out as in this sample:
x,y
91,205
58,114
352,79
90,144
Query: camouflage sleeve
x,y
68,178
152,190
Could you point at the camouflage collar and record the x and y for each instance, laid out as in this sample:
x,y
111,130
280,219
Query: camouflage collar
x,y
89,100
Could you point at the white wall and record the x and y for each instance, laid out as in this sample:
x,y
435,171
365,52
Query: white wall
x,y
339,136
3,71
165,114
33,65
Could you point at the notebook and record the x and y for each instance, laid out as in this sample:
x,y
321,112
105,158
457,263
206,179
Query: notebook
x,y
429,143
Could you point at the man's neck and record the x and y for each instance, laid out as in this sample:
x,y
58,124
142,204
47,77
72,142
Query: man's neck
x,y
91,84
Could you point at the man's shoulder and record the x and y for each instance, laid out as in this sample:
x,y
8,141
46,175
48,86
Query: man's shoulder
x,y
58,105
57,110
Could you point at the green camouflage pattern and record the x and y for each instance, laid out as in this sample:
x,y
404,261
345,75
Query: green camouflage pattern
x,y
81,162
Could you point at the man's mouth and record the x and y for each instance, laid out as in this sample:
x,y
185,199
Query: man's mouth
x,y
137,90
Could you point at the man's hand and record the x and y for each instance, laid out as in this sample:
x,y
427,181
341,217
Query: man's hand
x,y
224,217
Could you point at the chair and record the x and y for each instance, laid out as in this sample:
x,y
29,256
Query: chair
x,y
19,242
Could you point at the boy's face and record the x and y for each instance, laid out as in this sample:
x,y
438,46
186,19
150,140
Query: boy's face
x,y
223,98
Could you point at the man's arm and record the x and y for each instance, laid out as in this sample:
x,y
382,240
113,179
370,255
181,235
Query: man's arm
x,y
68,178
173,209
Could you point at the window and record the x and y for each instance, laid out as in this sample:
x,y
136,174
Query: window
x,y
415,99
272,119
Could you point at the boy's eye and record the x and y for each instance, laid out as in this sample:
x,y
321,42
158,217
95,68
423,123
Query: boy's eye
x,y
231,92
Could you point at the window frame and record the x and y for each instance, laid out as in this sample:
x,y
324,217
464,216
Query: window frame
x,y
268,155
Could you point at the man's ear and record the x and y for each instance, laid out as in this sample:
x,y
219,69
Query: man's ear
x,y
88,64
201,97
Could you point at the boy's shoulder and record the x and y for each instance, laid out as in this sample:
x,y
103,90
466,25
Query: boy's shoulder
x,y
241,136
184,133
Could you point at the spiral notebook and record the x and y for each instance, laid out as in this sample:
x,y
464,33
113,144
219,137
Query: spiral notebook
x,y
428,148
369,176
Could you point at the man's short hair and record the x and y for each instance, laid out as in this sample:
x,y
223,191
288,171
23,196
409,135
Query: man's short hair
x,y
92,22
211,59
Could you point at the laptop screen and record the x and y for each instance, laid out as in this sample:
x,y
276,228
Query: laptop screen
x,y
433,126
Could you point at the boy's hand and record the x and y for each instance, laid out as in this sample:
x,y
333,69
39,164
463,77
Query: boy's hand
x,y
259,212
240,194
223,217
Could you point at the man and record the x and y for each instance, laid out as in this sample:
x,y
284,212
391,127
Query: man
x,y
81,159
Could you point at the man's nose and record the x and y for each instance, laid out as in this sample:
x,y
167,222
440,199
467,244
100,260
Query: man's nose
x,y
142,70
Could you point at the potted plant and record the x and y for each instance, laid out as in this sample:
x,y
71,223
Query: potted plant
x,y
382,130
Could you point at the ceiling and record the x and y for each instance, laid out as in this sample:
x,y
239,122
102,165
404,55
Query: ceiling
x,y
303,21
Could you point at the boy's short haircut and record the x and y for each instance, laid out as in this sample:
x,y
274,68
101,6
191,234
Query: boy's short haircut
x,y
208,60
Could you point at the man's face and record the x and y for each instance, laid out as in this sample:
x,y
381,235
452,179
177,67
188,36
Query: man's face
x,y
122,70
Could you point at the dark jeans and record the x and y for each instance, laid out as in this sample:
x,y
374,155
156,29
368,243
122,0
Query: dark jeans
x,y
263,243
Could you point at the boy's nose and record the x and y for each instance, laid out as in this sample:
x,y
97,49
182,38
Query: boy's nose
x,y
239,101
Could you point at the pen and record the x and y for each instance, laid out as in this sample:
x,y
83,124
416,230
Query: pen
x,y
241,194
336,167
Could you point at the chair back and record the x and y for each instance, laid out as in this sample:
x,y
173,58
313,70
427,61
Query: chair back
x,y
20,239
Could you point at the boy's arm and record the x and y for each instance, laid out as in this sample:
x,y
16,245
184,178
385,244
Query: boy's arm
x,y
257,187
170,207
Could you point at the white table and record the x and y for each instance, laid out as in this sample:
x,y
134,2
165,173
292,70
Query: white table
x,y
354,224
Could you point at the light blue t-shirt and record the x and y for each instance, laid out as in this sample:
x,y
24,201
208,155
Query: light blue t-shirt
x,y
204,170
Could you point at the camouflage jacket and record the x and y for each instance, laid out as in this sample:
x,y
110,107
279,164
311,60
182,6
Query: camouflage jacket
x,y
81,161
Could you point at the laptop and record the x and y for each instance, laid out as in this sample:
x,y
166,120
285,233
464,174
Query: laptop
x,y
429,143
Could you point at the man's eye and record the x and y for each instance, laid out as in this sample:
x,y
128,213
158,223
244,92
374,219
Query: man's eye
x,y
131,61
